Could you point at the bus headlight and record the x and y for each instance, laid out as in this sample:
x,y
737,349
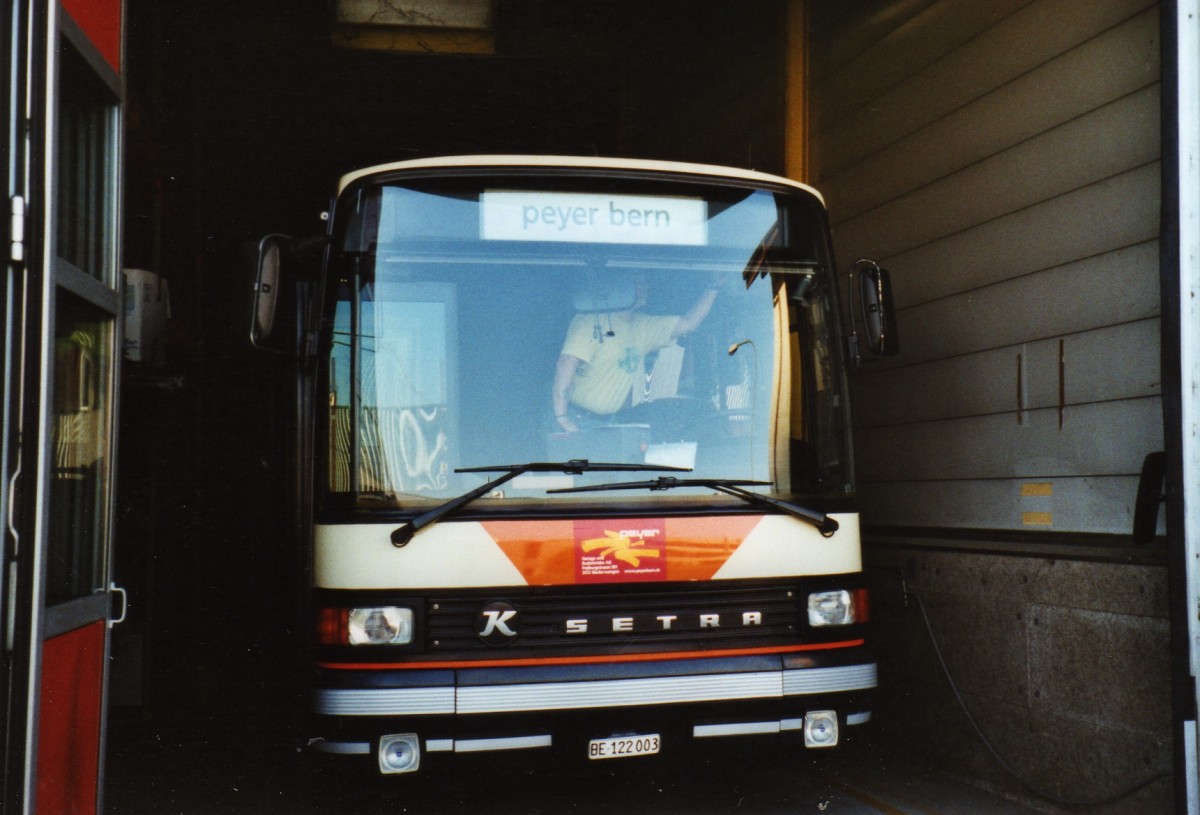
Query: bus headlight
x,y
385,625
831,608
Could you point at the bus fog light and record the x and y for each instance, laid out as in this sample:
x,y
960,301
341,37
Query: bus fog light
x,y
381,626
399,753
830,608
820,728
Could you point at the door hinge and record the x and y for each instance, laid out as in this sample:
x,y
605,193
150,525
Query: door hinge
x,y
16,229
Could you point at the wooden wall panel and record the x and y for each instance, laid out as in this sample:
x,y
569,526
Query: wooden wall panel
x,y
1008,175
911,45
1116,138
1016,379
1116,212
1003,60
1091,441
1053,93
1106,289
1094,505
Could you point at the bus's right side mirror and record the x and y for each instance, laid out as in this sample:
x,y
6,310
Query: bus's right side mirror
x,y
1151,493
871,293
267,282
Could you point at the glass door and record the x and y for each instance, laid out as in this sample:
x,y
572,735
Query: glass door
x,y
79,355
61,356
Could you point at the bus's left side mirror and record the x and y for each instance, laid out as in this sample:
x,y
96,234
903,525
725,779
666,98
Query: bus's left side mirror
x,y
872,306
267,282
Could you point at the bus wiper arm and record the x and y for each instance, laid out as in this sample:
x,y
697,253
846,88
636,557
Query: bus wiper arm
x,y
824,523
405,532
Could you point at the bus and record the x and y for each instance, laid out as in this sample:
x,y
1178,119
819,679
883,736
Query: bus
x,y
575,461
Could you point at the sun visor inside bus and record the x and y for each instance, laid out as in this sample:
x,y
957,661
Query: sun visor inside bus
x,y
608,294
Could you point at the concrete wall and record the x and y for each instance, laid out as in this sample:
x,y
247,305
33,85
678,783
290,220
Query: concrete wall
x,y
1064,664
1001,158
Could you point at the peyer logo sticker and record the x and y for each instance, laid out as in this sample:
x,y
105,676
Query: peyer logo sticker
x,y
620,550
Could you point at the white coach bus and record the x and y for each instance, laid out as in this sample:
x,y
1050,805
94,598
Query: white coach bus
x,y
575,459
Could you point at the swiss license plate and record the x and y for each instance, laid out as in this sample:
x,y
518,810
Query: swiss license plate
x,y
624,746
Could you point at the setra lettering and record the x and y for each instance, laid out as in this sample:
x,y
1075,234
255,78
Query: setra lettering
x,y
661,622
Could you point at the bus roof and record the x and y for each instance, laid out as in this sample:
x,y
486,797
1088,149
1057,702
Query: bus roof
x,y
643,165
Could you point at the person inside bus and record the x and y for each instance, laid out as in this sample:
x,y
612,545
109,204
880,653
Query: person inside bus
x,y
606,345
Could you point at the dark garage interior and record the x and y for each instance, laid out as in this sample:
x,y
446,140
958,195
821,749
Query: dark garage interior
x,y
241,120
242,116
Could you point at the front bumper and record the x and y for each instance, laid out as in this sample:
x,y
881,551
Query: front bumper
x,y
562,706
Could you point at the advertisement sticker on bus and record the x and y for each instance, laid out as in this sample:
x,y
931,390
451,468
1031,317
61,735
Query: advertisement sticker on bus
x,y
614,550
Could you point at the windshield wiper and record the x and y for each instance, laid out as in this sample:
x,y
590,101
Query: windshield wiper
x,y
824,523
404,533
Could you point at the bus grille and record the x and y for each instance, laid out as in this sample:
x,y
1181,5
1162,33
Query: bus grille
x,y
629,620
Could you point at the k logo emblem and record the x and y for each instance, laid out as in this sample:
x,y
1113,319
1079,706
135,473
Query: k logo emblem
x,y
497,623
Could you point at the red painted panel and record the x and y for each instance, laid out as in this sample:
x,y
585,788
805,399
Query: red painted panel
x,y
100,20
69,725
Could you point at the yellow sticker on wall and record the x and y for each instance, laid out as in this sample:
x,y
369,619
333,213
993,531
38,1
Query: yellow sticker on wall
x,y
1037,518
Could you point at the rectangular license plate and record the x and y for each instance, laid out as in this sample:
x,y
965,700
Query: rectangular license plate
x,y
646,744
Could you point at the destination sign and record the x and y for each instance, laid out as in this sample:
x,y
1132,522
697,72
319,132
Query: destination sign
x,y
574,217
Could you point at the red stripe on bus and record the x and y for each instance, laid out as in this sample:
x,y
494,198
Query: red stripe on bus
x,y
586,660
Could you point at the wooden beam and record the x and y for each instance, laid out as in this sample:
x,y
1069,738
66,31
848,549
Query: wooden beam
x,y
795,114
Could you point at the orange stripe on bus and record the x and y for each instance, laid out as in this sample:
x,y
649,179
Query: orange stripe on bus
x,y
587,660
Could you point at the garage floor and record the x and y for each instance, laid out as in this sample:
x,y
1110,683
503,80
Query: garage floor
x,y
200,768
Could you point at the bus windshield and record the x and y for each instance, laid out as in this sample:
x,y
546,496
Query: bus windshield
x,y
475,321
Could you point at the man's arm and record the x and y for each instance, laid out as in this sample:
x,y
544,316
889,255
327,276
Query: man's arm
x,y
564,373
691,321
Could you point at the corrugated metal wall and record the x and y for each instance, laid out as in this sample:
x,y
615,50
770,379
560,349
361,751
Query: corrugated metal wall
x,y
1001,157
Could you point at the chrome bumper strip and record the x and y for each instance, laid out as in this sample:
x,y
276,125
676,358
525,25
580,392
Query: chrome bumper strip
x,y
546,696
385,701
824,680
515,743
